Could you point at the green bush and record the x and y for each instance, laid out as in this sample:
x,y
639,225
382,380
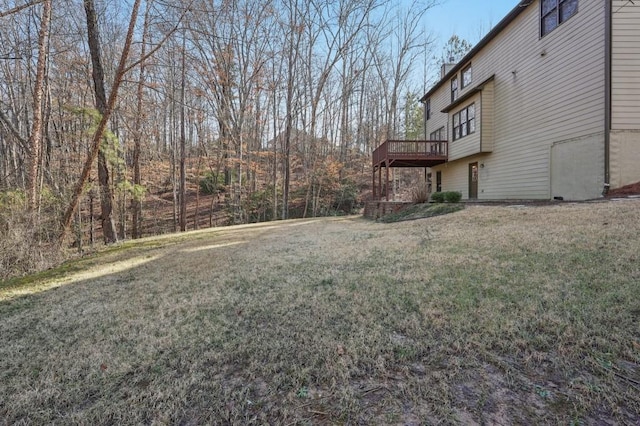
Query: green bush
x,y
345,197
448,197
12,199
27,238
452,196
437,197
259,205
212,183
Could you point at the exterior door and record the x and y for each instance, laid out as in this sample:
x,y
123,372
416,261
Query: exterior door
x,y
473,181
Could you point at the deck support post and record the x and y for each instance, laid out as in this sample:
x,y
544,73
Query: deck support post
x,y
398,153
380,181
426,182
374,183
387,184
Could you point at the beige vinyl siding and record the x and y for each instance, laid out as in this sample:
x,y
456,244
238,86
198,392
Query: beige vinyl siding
x,y
546,90
439,119
625,67
470,144
577,171
455,176
625,157
456,179
486,122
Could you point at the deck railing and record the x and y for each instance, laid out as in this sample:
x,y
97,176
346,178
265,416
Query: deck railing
x,y
396,149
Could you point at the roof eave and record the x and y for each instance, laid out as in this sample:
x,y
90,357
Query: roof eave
x,y
515,12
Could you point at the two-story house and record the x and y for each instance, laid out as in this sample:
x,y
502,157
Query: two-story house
x,y
546,105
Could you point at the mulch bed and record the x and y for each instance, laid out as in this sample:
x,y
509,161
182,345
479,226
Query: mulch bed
x,y
625,191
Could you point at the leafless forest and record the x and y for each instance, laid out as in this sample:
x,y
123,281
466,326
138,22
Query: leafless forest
x,y
116,115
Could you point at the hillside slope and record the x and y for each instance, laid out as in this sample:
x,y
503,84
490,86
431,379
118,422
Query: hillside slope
x,y
497,315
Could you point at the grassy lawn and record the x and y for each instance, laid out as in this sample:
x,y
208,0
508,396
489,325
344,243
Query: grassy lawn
x,y
421,211
489,315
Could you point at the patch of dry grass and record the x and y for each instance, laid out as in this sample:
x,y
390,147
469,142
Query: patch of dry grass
x,y
421,211
494,315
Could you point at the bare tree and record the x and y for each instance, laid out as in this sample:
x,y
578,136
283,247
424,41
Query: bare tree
x,y
35,140
183,137
294,34
106,195
108,109
136,204
283,99
407,41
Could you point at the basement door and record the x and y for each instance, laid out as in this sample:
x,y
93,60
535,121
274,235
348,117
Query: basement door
x,y
473,181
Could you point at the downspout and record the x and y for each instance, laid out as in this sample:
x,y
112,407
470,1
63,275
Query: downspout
x,y
607,94
426,138
424,118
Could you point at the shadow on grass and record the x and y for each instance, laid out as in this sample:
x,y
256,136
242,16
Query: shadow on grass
x,y
335,321
421,211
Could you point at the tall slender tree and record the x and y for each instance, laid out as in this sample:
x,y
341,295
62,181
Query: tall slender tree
x,y
35,139
136,204
106,194
108,109
183,136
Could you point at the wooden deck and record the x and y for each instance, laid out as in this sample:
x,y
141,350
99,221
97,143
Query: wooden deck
x,y
397,153
394,153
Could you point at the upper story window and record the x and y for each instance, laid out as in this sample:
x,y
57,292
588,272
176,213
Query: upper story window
x,y
427,109
464,122
438,135
554,13
454,88
467,76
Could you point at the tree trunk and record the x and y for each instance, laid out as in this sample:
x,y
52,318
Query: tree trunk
x,y
99,133
106,196
183,143
35,139
199,152
136,204
292,59
275,154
